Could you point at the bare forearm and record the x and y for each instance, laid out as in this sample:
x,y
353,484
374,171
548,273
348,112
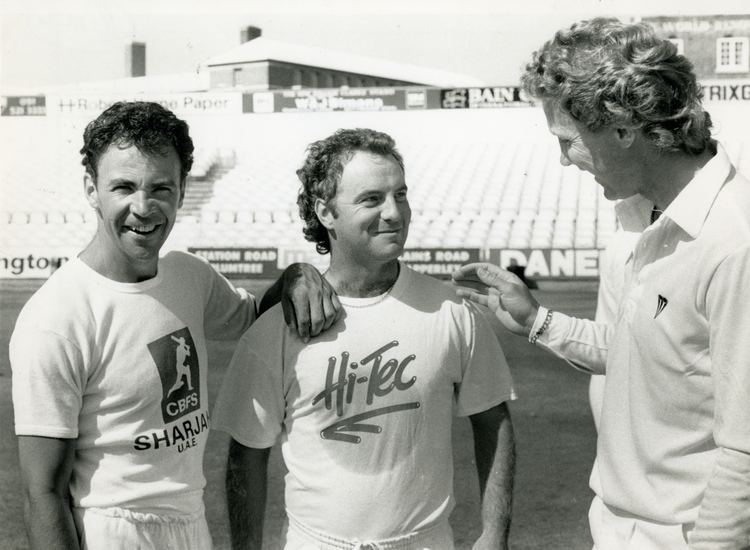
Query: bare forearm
x,y
246,499
49,522
495,458
497,497
46,466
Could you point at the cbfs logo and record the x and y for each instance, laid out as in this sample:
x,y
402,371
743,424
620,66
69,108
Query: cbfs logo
x,y
177,360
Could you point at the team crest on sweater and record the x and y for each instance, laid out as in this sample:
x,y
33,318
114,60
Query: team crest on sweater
x,y
176,359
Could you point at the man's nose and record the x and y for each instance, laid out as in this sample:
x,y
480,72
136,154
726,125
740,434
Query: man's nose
x,y
564,160
140,204
391,210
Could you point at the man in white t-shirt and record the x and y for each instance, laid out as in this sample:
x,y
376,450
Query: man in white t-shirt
x,y
363,412
109,355
673,452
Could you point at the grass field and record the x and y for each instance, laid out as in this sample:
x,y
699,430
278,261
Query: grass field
x,y
554,433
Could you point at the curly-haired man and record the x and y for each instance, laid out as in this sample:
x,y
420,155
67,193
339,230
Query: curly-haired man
x,y
364,412
673,453
109,356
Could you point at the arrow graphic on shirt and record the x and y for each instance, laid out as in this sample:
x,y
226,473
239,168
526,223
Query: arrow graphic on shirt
x,y
337,431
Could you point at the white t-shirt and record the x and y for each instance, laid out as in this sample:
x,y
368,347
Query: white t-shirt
x,y
364,411
122,368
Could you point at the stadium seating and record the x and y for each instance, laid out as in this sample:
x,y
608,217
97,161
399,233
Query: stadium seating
x,y
483,178
469,185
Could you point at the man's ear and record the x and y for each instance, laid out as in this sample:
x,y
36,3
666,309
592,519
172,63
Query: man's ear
x,y
90,190
325,213
625,137
183,186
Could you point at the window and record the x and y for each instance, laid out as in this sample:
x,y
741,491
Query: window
x,y
732,54
680,43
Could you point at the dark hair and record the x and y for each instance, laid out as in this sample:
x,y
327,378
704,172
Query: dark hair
x,y
146,125
604,72
321,173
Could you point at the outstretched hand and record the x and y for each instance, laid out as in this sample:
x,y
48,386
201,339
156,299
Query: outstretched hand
x,y
309,302
500,291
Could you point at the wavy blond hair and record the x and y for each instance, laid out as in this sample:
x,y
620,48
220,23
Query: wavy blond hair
x,y
605,72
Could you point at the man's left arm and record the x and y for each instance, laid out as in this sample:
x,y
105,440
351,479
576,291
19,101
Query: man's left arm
x,y
494,449
724,515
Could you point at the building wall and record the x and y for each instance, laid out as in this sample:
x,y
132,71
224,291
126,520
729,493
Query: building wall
x,y
700,36
245,75
281,75
286,75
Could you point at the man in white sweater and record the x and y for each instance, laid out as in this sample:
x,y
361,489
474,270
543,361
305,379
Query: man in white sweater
x,y
673,456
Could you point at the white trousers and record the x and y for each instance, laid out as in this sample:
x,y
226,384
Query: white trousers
x,y
303,537
614,529
121,529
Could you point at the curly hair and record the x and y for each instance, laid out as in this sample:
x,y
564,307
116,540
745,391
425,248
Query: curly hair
x,y
146,125
604,72
321,173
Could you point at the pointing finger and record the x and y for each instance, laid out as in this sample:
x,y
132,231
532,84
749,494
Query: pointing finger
x,y
496,277
467,272
475,297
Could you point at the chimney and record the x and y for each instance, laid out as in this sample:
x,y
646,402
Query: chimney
x,y
249,33
136,63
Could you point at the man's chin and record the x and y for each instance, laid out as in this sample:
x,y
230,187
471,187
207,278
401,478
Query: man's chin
x,y
611,194
144,249
392,252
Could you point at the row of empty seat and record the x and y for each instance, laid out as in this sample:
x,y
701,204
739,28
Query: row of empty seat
x,y
476,179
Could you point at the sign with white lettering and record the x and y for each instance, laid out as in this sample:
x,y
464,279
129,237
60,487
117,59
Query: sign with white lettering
x,y
483,98
23,106
307,254
550,263
242,263
326,100
726,24
439,262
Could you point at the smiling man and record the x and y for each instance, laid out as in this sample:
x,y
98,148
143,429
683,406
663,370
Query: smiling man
x,y
364,412
672,467
109,356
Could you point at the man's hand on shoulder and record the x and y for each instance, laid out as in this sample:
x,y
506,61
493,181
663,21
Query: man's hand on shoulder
x,y
309,302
